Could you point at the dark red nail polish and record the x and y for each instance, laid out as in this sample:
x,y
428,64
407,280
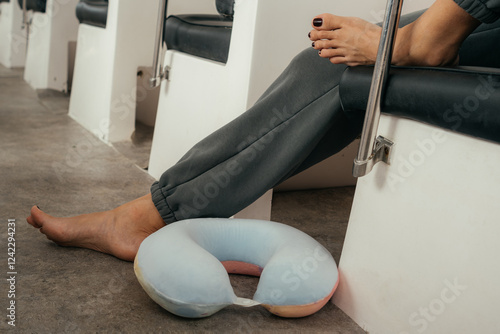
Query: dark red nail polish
x,y
317,22
319,52
313,44
309,34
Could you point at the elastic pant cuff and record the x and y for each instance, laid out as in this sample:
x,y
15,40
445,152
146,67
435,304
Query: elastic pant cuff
x,y
479,10
160,201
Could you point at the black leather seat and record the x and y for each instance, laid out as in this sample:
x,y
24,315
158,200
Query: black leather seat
x,y
206,36
35,5
464,100
92,12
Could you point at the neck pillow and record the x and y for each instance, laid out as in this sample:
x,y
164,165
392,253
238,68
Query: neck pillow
x,y
184,267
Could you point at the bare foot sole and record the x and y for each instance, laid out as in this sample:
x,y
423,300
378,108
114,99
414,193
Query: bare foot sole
x,y
118,232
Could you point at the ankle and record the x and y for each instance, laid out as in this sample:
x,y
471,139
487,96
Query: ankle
x,y
416,46
435,37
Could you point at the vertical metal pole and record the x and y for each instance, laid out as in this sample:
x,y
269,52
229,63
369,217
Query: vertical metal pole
x,y
25,20
372,150
26,24
160,46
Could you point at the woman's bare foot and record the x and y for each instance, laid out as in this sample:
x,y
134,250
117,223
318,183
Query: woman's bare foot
x,y
345,40
118,232
432,40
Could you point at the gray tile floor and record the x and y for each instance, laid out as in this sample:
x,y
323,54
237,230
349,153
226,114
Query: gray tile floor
x,y
49,160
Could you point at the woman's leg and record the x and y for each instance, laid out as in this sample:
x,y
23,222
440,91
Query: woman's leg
x,y
324,149
231,168
226,171
482,47
296,123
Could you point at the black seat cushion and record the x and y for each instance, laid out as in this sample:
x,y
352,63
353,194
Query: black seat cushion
x,y
465,100
225,7
92,12
35,5
206,36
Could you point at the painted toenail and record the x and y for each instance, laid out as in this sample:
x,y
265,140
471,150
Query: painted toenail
x,y
309,34
313,44
317,22
319,52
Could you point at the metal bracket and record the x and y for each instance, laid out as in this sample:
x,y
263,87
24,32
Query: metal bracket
x,y
164,74
381,152
160,72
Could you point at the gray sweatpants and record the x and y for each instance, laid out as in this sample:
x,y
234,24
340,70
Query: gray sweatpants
x,y
296,123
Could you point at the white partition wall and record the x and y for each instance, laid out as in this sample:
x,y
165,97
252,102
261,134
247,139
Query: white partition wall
x,y
49,44
421,250
12,35
104,93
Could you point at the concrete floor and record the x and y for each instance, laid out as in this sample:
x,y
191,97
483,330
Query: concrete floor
x,y
49,160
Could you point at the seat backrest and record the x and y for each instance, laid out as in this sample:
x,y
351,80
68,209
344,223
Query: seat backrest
x,y
92,12
36,5
96,2
225,7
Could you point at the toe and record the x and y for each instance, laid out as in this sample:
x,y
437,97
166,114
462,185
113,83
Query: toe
x,y
329,53
326,22
33,219
326,44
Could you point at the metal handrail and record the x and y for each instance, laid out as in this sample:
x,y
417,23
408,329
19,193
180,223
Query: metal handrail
x,y
26,23
160,47
373,149
25,20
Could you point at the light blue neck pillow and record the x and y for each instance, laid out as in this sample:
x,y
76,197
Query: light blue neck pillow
x,y
184,267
